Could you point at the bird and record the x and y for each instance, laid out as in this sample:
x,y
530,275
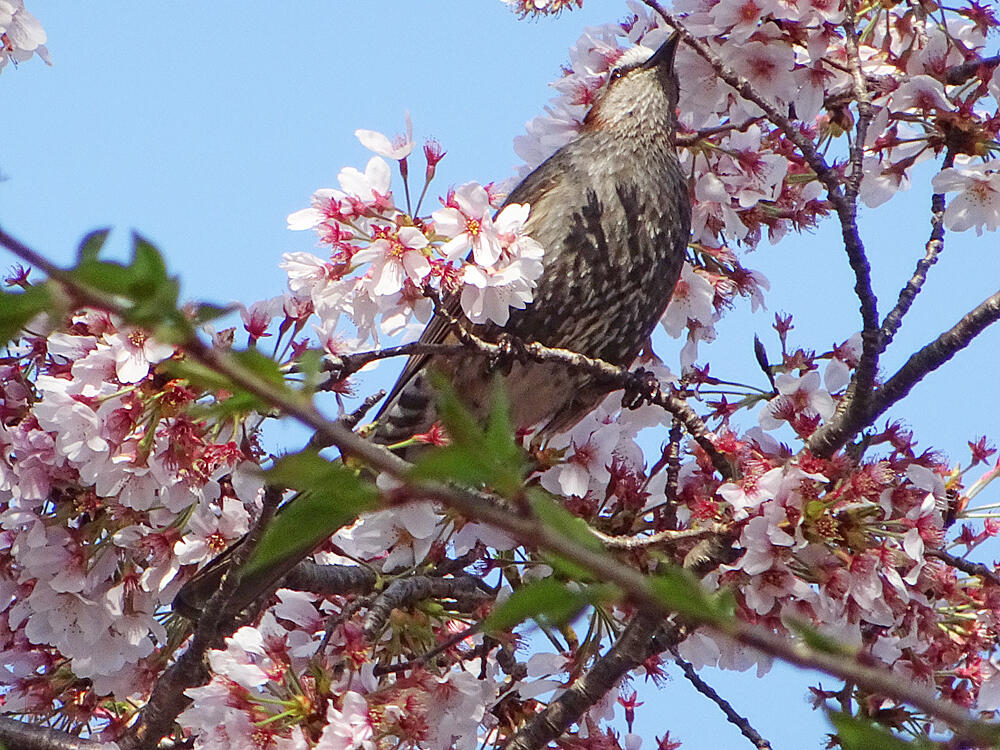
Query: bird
x,y
612,210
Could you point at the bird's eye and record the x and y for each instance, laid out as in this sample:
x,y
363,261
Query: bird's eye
x,y
616,74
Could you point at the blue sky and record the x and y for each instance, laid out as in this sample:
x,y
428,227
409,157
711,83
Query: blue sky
x,y
203,125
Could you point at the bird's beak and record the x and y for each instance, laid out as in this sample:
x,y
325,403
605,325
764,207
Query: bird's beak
x,y
665,54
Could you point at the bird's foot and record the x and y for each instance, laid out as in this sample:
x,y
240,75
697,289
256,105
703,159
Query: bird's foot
x,y
511,350
641,387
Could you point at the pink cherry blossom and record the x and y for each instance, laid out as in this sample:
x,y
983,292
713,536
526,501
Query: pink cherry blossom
x,y
978,201
397,148
135,351
396,258
467,221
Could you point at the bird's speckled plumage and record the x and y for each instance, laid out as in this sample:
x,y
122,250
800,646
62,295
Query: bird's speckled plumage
x,y
611,208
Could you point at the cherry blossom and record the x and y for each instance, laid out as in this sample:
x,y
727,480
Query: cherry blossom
x,y
395,259
978,201
21,33
467,220
398,148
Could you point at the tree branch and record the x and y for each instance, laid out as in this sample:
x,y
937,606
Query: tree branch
x,y
832,435
17,735
640,589
637,642
935,354
966,566
330,580
404,592
741,722
933,248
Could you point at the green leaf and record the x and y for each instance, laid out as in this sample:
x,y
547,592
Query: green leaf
x,y
310,365
18,308
818,641
452,463
563,523
547,510
680,591
142,286
475,456
92,244
240,400
548,601
860,734
330,496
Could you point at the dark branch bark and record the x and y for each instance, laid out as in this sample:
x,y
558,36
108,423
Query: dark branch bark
x,y
329,580
932,356
637,642
965,71
405,592
741,722
966,566
909,292
18,735
933,248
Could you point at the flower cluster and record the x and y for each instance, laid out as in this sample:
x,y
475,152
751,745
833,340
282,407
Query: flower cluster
x,y
108,489
383,260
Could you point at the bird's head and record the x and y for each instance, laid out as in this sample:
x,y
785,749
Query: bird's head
x,y
640,95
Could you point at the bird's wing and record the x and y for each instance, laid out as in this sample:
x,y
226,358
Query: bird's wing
x,y
438,331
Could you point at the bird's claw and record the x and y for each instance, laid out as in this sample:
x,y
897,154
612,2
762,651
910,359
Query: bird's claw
x,y
641,387
510,350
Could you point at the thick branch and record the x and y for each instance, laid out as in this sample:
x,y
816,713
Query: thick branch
x,y
935,354
18,735
328,580
404,592
916,368
965,71
636,643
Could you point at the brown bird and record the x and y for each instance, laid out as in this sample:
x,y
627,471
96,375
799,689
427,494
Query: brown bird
x,y
612,210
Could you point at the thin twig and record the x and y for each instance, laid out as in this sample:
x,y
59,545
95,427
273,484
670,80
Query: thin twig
x,y
639,588
832,435
745,89
966,566
613,375
741,722
667,536
690,139
933,248
424,658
